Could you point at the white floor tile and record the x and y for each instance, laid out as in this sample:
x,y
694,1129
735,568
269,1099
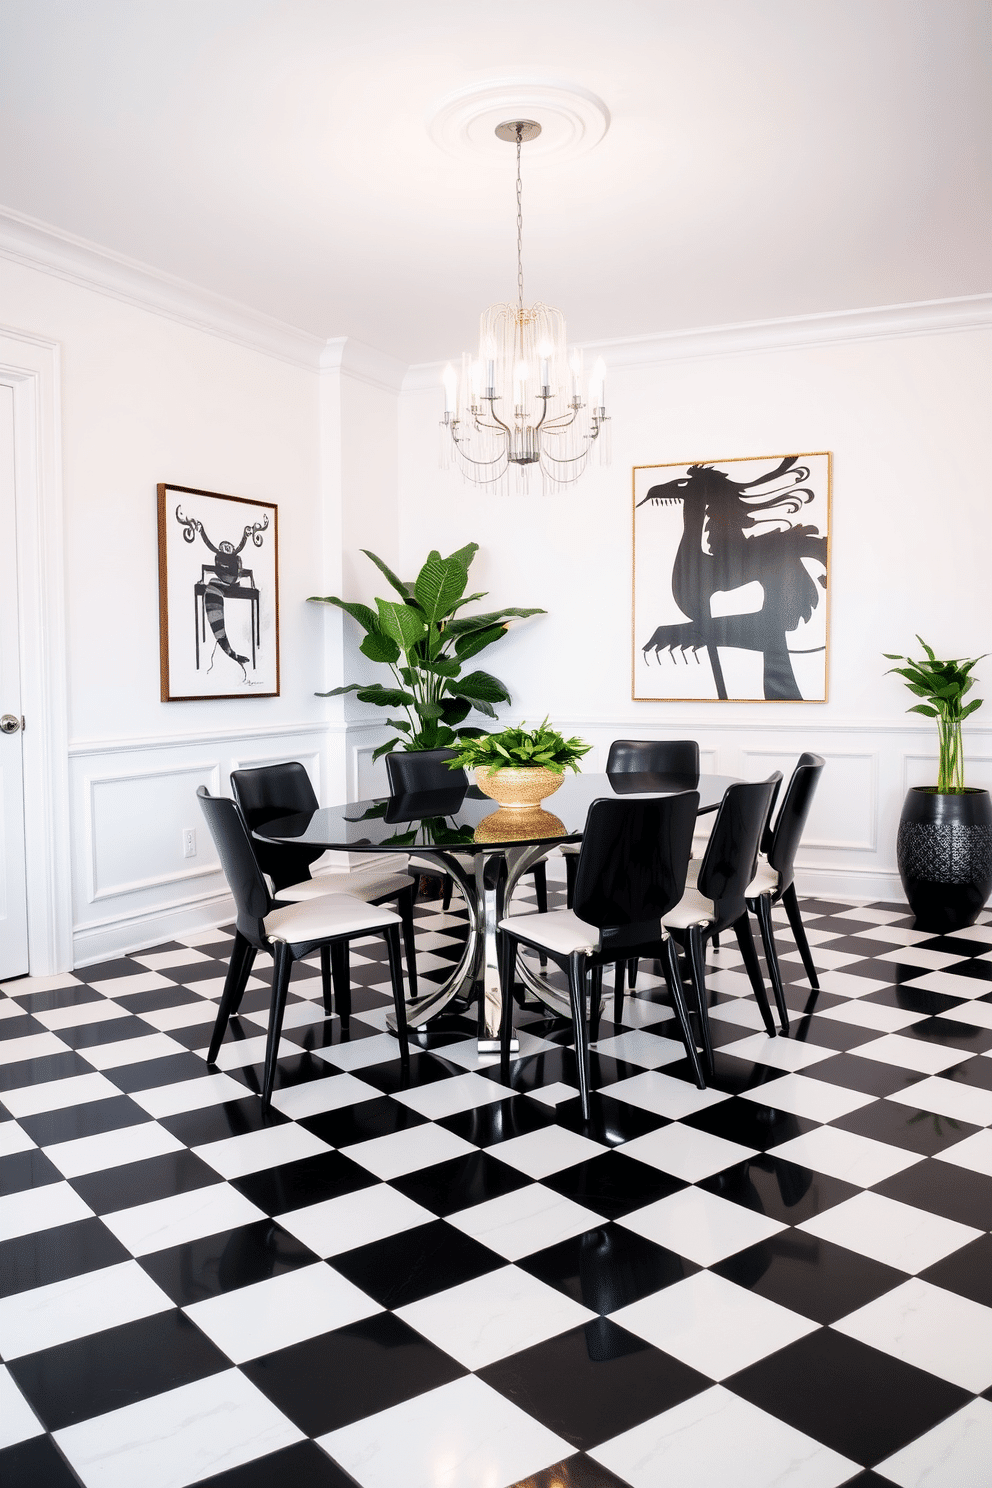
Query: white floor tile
x,y
493,1316
10,1009
955,1454
729,982
81,1015
232,1157
549,1150
296,1015
897,935
181,1217
141,981
742,1011
273,1314
210,936
529,1219
893,1233
40,1209
977,1014
873,916
163,960
846,1155
212,987
187,1015
462,1435
914,1054
466,1051
800,1096
239,1053
178,1438
636,1046
974,1153
14,1138
448,1097
718,1438
361,1053
642,1012
112,1149
872,1015
57,1095
973,932
23,986
947,1098
685,1152
404,1151
190,1095
33,1046
952,984
132,1051
824,959
778,1053
554,1094
844,983
663,1094
317,1096
919,956
700,1226
354,1219
18,1421
45,1316
945,1334
713,1325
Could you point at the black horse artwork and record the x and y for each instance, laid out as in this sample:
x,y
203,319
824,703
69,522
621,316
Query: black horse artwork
x,y
736,532
222,580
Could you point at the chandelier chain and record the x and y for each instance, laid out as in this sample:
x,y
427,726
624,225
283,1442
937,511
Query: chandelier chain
x,y
520,228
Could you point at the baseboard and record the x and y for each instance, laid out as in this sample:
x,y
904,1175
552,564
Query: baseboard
x,y
864,886
92,943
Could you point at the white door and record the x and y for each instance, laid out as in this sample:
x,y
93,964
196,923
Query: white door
x,y
13,894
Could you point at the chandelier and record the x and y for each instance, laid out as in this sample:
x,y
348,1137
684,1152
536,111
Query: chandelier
x,y
525,400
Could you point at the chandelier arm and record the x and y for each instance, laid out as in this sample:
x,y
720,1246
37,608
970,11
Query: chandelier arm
x,y
493,414
571,459
481,464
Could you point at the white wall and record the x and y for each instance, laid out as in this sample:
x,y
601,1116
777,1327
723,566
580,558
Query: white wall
x,y
148,399
908,422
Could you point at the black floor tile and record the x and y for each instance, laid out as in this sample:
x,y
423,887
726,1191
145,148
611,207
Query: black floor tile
x,y
221,1263
613,1184
821,1281
460,1182
862,1403
424,1069
901,1126
976,1073
499,1121
56,1254
870,1076
909,998
749,1123
111,1114
120,969
607,1268
340,1377
779,1189
215,1123
429,1258
943,1188
105,1371
310,1180
149,1074
22,1170
579,1471
25,1072
967,1271
143,1182
303,1465
22,1027
593,1382
37,1463
363,1122
89,1035
155,1001
829,1033
611,1121
54,997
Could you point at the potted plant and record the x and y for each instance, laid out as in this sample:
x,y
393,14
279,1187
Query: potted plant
x,y
519,767
425,647
944,847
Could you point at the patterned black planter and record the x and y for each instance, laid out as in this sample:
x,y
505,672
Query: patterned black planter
x,y
944,851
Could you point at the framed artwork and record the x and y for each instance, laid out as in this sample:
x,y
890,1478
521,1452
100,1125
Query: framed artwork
x,y
731,561
218,588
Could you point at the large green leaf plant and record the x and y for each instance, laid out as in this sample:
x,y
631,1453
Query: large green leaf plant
x,y
425,647
943,684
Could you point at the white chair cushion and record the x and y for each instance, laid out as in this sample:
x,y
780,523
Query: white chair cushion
x,y
326,917
560,930
765,880
692,909
572,848
360,885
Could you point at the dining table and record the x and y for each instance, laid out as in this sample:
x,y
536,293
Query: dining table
x,y
484,849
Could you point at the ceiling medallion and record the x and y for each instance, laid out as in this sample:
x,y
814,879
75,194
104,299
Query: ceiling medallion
x,y
572,119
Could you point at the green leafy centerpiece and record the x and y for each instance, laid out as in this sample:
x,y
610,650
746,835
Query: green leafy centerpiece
x,y
943,684
519,767
425,647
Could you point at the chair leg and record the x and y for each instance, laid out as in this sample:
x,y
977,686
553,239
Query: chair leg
x,y
446,895
541,891
697,962
763,908
676,991
596,1001
571,868
238,972
341,974
507,949
751,965
325,979
280,986
632,965
404,906
618,980
799,931
715,941
392,935
577,992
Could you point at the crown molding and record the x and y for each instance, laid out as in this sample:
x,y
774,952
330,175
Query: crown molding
x,y
38,245
831,328
363,363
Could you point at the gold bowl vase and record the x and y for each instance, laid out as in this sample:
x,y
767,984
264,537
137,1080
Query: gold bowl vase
x,y
511,824
518,790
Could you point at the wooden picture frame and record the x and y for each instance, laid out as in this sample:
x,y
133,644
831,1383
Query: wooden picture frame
x,y
731,563
214,550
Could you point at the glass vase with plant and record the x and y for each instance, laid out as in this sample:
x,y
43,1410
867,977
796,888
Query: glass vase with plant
x,y
944,685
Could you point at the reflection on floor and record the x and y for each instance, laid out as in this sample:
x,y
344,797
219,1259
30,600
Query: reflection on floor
x,y
785,1279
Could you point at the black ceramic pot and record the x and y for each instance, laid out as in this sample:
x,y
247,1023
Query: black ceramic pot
x,y
944,851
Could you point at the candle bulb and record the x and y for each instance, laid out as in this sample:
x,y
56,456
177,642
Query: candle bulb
x,y
450,388
599,382
490,379
576,375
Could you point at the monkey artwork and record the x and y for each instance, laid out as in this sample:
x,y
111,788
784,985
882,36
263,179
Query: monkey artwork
x,y
227,570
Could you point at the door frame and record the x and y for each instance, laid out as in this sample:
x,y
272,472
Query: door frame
x,y
31,366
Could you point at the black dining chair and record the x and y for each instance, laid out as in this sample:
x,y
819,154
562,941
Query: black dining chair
x,y
289,932
631,873
267,792
416,771
714,898
637,757
774,878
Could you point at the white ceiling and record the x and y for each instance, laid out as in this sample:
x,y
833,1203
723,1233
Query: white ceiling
x,y
765,157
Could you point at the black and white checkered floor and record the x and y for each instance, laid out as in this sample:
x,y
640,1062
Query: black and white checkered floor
x,y
785,1279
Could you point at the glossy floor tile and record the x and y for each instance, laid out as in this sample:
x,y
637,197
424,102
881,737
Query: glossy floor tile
x,y
452,1280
